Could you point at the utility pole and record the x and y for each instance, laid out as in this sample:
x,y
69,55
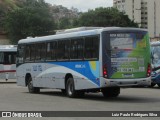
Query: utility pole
x,y
154,19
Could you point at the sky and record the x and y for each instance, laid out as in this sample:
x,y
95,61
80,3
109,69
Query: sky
x,y
82,5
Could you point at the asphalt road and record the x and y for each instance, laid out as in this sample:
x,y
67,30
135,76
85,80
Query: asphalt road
x,y
16,98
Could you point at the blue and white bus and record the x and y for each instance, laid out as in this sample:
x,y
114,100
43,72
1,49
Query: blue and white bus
x,y
155,57
103,60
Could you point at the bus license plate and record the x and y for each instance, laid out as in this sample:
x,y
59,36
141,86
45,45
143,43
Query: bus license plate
x,y
128,75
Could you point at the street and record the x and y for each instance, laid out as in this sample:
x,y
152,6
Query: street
x,y
16,98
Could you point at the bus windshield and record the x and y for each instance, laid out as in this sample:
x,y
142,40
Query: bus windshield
x,y
127,53
155,52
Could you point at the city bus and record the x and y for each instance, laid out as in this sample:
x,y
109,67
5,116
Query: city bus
x,y
155,58
85,60
8,62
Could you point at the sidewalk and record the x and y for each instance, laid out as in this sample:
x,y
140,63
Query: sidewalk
x,y
8,81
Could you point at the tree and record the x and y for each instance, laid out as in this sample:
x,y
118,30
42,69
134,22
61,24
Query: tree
x,y
33,19
105,17
64,23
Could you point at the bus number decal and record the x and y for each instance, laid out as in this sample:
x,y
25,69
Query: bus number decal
x,y
37,68
80,66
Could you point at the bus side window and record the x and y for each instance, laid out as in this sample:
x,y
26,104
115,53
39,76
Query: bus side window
x,y
33,52
6,58
27,53
1,57
9,57
77,49
20,54
51,50
38,52
54,49
30,53
63,50
43,52
91,47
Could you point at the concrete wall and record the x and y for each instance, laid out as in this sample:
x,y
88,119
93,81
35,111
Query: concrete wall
x,y
137,11
154,17
129,8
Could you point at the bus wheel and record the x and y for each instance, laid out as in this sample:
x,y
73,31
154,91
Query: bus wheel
x,y
63,91
32,89
70,88
111,92
153,84
158,84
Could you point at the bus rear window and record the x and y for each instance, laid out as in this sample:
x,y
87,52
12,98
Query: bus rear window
x,y
127,40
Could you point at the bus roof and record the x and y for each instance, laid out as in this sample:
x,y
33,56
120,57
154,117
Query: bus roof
x,y
155,43
8,48
76,29
74,33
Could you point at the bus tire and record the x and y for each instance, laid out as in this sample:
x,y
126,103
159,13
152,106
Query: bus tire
x,y
158,84
80,94
63,91
32,89
153,84
70,88
111,91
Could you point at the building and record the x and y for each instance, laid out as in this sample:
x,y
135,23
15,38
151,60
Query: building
x,y
143,12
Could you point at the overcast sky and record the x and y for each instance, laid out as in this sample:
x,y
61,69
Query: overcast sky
x,y
82,5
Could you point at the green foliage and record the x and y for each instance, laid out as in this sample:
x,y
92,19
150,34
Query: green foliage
x,y
64,23
33,19
75,22
104,17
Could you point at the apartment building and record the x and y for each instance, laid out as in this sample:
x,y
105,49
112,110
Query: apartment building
x,y
144,12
